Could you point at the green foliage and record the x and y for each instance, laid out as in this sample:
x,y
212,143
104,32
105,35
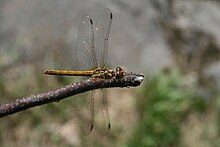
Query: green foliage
x,y
165,102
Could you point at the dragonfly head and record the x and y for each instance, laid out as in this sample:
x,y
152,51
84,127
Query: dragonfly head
x,y
119,73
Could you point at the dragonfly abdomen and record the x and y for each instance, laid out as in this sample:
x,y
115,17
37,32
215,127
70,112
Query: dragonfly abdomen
x,y
68,72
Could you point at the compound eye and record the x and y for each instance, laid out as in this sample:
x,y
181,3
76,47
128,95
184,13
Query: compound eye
x,y
119,72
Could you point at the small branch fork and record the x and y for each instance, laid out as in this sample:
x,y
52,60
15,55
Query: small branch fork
x,y
129,80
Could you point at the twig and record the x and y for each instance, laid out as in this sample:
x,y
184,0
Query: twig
x,y
129,80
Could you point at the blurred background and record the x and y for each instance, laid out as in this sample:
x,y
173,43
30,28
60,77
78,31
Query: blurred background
x,y
175,43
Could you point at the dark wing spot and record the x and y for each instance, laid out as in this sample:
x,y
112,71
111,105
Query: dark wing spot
x,y
91,127
91,21
109,126
111,15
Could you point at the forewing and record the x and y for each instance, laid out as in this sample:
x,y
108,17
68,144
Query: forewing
x,y
102,120
104,108
85,58
102,29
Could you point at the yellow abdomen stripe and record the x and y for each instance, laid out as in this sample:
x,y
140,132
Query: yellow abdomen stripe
x,y
69,72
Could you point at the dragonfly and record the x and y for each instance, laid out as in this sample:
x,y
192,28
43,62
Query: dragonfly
x,y
91,54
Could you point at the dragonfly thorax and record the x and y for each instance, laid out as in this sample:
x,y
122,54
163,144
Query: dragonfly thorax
x,y
108,73
103,73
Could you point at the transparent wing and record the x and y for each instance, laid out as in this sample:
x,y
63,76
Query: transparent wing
x,y
104,109
84,108
85,59
102,120
102,28
84,55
